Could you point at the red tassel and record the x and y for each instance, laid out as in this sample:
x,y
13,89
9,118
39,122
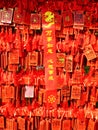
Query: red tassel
x,y
24,4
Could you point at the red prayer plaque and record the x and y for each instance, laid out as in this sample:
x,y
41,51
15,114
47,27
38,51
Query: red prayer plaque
x,y
67,18
60,60
69,63
35,21
29,91
19,17
1,17
76,92
58,21
91,124
78,19
87,19
13,57
56,124
7,15
1,122
21,123
66,125
89,52
33,58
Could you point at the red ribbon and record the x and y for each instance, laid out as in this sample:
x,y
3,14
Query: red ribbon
x,y
49,58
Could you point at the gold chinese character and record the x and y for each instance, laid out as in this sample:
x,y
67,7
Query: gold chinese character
x,y
51,99
67,18
48,32
50,61
50,78
49,45
50,66
50,51
50,72
49,39
49,17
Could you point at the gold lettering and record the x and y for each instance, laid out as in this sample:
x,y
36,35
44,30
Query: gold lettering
x,y
50,72
49,39
50,78
50,61
49,17
49,45
50,51
48,32
50,66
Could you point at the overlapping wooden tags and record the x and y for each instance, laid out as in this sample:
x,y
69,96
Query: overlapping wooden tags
x,y
77,75
69,63
65,91
76,92
60,59
10,124
89,52
13,57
